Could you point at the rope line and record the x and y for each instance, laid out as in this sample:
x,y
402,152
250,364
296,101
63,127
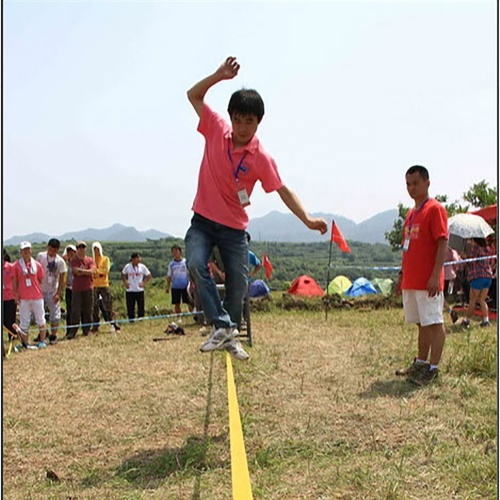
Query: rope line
x,y
118,321
397,268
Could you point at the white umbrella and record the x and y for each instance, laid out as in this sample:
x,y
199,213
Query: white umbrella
x,y
469,226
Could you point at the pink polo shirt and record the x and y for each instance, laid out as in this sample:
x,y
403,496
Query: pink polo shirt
x,y
220,179
7,280
29,285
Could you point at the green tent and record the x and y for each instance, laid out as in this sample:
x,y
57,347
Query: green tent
x,y
338,285
383,285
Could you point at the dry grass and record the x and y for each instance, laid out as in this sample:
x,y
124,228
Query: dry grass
x,y
123,417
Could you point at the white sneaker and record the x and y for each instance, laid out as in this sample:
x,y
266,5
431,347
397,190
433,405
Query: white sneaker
x,y
236,350
218,338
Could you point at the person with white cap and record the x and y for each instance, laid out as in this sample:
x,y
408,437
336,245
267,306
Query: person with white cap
x,y
28,276
53,282
102,295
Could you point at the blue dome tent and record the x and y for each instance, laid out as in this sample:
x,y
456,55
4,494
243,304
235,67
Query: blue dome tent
x,y
360,287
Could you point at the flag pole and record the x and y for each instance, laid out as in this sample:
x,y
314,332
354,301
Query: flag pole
x,y
328,277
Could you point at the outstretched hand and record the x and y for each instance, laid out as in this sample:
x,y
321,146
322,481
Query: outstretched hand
x,y
228,69
318,224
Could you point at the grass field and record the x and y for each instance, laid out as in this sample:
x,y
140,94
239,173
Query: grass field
x,y
123,417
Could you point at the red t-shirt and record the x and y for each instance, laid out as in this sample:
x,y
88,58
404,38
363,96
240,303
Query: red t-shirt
x,y
225,171
81,283
423,228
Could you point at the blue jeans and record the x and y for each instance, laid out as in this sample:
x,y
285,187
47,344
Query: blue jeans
x,y
201,237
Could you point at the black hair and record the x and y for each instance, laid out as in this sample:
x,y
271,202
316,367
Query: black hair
x,y
175,247
481,242
246,102
6,256
134,255
54,243
422,171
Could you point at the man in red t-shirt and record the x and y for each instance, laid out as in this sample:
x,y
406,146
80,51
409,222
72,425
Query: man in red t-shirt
x,y
83,268
425,238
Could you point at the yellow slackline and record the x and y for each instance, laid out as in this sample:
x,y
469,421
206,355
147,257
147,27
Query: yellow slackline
x,y
242,490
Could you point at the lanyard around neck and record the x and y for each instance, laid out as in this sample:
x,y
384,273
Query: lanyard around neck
x,y
415,212
240,167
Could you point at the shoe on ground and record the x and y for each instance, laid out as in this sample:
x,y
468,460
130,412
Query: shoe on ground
x,y
484,324
70,337
41,344
453,316
52,339
236,350
412,370
425,377
465,323
218,339
116,326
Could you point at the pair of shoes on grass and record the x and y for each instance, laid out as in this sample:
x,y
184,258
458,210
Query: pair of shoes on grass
x,y
419,373
224,339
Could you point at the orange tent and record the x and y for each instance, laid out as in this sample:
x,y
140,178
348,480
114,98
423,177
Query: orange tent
x,y
306,286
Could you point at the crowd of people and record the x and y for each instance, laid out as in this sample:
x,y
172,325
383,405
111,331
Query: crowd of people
x,y
36,288
38,285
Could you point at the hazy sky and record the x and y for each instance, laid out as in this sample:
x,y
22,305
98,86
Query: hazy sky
x,y
97,128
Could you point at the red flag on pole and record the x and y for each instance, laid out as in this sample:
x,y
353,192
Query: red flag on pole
x,y
339,239
268,267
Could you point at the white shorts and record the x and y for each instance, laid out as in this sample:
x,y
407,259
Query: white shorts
x,y
53,307
422,309
26,307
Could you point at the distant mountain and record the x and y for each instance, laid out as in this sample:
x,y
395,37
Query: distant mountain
x,y
277,226
117,232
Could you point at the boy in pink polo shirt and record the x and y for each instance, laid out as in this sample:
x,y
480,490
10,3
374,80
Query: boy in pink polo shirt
x,y
28,276
233,161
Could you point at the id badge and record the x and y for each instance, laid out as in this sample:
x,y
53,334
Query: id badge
x,y
406,244
28,282
243,197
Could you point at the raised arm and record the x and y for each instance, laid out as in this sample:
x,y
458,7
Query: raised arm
x,y
226,71
292,201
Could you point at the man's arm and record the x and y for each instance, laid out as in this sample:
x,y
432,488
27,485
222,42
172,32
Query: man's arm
x,y
292,201
226,71
60,287
255,270
433,283
15,286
